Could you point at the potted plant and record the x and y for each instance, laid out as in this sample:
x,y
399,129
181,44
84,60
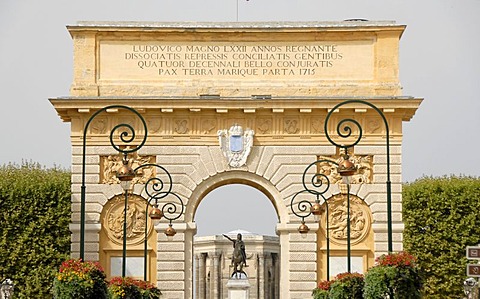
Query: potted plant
x,y
394,276
129,288
322,290
347,286
80,280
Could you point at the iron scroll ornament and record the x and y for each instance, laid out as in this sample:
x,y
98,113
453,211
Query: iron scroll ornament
x,y
347,132
127,135
318,184
159,190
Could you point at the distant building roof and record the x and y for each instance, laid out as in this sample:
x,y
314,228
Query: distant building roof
x,y
241,231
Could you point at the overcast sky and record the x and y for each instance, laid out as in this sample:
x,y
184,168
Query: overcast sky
x,y
439,61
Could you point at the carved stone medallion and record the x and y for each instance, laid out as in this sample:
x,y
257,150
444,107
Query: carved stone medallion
x,y
181,126
208,125
264,126
114,216
360,219
291,126
236,144
317,126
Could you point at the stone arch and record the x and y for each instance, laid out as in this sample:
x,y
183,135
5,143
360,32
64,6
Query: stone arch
x,y
215,256
234,177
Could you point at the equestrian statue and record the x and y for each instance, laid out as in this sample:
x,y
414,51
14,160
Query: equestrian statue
x,y
239,257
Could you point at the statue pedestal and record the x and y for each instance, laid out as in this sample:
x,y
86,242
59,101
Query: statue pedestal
x,y
238,288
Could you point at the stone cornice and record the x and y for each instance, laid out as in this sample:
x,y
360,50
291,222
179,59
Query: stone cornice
x,y
68,106
347,25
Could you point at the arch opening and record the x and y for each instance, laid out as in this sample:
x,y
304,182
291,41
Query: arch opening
x,y
235,206
232,203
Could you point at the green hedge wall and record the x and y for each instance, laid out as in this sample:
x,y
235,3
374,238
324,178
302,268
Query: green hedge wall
x,y
442,217
34,233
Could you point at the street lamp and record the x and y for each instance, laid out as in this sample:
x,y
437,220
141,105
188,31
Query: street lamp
x,y
317,185
156,189
345,131
125,137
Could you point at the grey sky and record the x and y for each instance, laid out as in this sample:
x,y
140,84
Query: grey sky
x,y
439,61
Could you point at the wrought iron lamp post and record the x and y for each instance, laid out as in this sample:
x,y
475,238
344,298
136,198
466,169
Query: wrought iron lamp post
x,y
346,169
318,185
345,131
125,175
126,137
156,189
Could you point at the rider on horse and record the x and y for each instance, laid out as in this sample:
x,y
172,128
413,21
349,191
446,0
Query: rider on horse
x,y
238,251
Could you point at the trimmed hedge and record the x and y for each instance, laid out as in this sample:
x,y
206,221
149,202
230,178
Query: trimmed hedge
x,y
441,217
34,233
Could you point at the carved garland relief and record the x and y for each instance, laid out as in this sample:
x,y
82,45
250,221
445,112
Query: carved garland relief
x,y
360,219
110,165
364,173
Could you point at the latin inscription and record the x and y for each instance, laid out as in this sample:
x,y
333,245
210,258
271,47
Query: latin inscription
x,y
234,60
228,61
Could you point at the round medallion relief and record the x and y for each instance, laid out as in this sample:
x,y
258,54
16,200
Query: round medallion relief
x,y
114,218
360,219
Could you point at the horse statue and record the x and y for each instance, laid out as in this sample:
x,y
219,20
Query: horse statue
x,y
239,257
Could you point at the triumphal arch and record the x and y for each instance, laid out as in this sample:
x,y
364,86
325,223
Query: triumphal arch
x,y
239,103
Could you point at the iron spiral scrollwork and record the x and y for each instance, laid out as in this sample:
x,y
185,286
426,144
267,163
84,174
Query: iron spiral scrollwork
x,y
303,206
157,188
343,128
319,181
317,184
169,209
314,183
126,133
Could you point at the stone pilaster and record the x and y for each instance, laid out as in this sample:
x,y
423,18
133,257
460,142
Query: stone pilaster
x,y
201,277
261,276
216,271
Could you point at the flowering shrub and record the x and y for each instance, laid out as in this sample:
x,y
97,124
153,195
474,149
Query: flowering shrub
x,y
80,280
400,259
322,290
128,288
395,276
347,286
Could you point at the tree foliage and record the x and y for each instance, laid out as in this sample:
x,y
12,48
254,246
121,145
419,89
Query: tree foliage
x,y
34,232
441,217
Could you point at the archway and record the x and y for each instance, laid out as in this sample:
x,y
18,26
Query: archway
x,y
235,206
210,263
229,210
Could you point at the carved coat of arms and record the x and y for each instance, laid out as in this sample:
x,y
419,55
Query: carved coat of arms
x,y
236,144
